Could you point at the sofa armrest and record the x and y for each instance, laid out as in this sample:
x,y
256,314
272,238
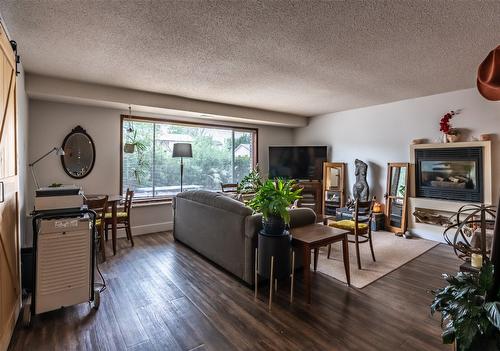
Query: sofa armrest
x,y
300,217
253,224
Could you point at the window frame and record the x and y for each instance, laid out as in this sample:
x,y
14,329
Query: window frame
x,y
167,199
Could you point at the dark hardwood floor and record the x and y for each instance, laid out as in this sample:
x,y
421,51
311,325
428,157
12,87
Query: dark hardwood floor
x,y
163,296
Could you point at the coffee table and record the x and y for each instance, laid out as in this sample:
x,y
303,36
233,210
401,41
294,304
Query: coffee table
x,y
312,237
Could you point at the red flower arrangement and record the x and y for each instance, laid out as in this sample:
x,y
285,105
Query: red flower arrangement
x,y
444,123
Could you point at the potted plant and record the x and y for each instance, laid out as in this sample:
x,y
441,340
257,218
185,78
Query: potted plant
x,y
250,183
469,315
133,143
273,199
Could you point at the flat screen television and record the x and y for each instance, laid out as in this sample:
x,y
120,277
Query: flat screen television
x,y
297,162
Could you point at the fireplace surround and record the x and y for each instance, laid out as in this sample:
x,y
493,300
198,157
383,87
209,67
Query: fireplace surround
x,y
445,205
454,173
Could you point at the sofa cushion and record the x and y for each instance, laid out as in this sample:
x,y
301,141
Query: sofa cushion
x,y
216,200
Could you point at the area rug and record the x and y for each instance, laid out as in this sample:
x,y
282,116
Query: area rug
x,y
391,253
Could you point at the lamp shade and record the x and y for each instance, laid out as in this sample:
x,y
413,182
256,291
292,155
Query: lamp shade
x,y
182,150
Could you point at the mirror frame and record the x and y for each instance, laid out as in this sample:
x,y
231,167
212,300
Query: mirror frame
x,y
78,130
341,167
389,198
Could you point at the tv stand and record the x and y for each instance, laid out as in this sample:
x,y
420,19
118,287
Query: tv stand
x,y
312,195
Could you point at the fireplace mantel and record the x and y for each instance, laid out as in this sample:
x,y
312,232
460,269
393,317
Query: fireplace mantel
x,y
434,232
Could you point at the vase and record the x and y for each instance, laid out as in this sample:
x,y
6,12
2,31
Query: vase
x,y
452,138
445,139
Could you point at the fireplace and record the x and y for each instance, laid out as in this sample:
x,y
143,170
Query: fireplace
x,y
449,173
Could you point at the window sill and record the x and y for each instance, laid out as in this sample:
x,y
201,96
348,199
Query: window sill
x,y
151,202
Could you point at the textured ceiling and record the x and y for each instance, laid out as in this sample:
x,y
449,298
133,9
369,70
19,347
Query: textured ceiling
x,y
302,57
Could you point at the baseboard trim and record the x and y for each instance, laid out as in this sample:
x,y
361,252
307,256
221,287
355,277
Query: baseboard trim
x,y
147,229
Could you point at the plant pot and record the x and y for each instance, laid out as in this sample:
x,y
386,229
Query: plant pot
x,y
452,138
273,225
277,246
129,148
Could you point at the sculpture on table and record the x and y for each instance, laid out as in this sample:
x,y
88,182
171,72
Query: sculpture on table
x,y
360,190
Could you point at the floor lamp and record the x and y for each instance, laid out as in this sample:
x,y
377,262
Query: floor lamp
x,y
182,150
59,152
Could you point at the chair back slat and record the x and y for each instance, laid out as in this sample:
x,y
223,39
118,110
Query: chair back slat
x,y
363,209
98,204
128,201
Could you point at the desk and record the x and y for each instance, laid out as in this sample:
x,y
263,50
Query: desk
x,y
113,201
312,237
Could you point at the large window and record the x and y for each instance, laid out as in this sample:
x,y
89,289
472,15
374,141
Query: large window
x,y
220,155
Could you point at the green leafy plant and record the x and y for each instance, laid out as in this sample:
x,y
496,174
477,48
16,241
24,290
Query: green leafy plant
x,y
274,198
250,183
133,143
466,314
141,168
402,190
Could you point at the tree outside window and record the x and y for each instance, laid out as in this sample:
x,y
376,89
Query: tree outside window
x,y
220,155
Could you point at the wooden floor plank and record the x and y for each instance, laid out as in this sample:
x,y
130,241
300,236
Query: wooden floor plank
x,y
161,295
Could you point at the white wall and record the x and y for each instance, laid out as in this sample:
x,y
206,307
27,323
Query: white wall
x,y
381,134
50,122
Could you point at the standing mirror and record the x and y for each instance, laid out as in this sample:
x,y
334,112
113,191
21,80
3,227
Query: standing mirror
x,y
396,197
333,187
79,153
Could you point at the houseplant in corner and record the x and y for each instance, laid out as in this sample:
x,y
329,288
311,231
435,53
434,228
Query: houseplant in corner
x,y
470,316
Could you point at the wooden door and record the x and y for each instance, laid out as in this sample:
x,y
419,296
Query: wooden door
x,y
10,296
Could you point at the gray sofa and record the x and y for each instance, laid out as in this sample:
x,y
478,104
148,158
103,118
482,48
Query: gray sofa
x,y
224,230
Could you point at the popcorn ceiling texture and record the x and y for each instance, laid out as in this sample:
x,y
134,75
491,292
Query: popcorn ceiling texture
x,y
300,57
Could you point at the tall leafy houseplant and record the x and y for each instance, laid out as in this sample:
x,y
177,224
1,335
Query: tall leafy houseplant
x,y
468,315
273,199
250,183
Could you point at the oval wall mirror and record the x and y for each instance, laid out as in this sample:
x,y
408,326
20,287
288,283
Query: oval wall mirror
x,y
79,153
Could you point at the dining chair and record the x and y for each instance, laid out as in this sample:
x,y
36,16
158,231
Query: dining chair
x,y
99,205
122,217
359,226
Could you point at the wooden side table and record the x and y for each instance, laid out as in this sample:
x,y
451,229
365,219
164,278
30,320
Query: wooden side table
x,y
312,237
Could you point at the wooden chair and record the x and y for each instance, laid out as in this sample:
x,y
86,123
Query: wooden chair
x,y
359,226
100,206
229,187
123,217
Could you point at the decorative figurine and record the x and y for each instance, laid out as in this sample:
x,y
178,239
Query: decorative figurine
x,y
361,190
